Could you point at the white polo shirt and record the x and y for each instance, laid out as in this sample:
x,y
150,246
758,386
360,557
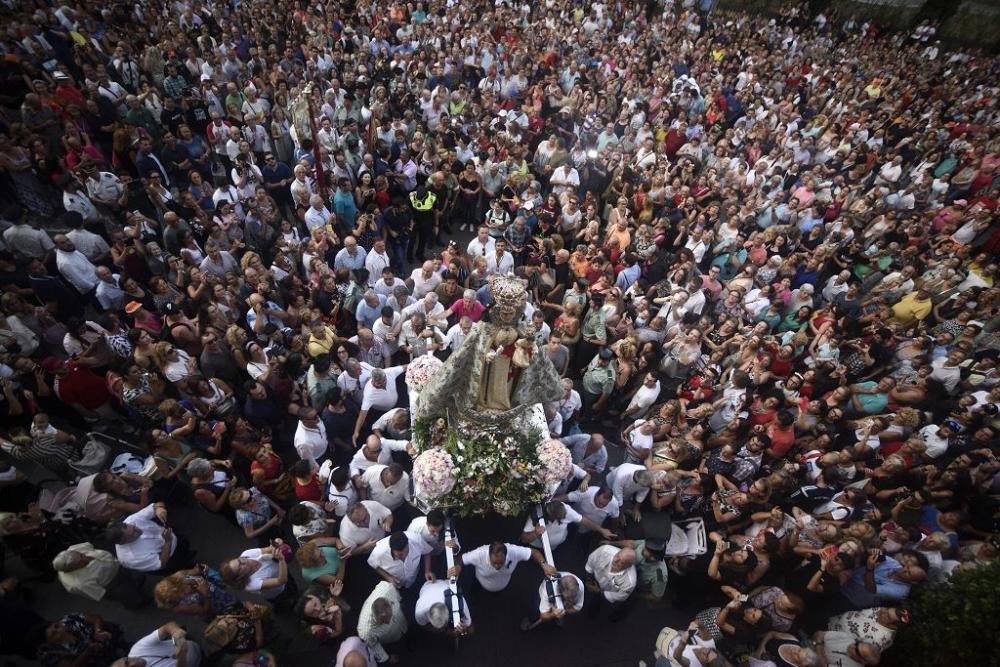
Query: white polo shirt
x,y
558,531
583,502
163,652
431,593
477,248
353,535
623,486
405,570
545,606
374,398
489,577
143,554
268,570
391,496
311,443
360,463
616,586
421,285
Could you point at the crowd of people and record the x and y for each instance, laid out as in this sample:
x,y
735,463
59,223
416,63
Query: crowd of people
x,y
761,252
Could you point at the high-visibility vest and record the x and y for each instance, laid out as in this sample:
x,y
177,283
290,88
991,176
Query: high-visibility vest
x,y
423,205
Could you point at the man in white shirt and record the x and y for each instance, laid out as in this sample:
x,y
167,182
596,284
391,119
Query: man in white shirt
x,y
564,179
643,398
379,395
397,559
167,646
456,334
389,281
494,564
23,239
144,542
423,280
571,590
318,215
630,483
364,524
387,484
376,261
74,266
499,262
430,307
376,451
310,437
589,451
351,256
481,246
611,576
90,244
597,503
432,610
109,292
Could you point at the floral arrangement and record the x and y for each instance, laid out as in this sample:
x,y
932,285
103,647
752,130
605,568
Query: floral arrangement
x,y
420,371
434,473
494,471
556,462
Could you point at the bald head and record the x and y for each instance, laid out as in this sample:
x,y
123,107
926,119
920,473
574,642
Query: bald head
x,y
355,659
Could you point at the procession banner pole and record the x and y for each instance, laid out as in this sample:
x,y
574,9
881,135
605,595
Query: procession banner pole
x,y
453,599
551,583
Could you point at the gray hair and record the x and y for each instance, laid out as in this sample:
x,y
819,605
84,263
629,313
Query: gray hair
x,y
199,468
378,374
469,293
644,478
438,615
352,364
569,589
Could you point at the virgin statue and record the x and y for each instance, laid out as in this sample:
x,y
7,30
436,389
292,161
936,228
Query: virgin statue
x,y
498,368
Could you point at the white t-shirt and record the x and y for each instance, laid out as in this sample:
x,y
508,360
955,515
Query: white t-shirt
x,y
431,593
311,442
384,399
583,502
353,535
616,586
389,496
544,606
558,531
161,652
644,398
268,570
421,285
405,570
488,576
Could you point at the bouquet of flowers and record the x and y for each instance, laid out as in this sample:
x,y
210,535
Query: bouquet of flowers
x,y
555,460
434,473
492,470
421,370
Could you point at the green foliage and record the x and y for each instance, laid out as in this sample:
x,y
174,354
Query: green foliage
x,y
956,622
496,469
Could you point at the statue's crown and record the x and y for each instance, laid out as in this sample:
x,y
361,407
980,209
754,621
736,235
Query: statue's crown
x,y
508,290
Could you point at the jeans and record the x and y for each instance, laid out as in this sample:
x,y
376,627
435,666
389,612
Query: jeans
x,y
397,254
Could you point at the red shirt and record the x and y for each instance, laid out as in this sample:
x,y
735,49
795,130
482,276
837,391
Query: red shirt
x,y
311,490
82,386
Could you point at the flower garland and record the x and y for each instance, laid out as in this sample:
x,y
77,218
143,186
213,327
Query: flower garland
x,y
556,462
493,472
420,371
434,473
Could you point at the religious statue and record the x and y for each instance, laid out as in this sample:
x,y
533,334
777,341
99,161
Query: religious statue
x,y
498,368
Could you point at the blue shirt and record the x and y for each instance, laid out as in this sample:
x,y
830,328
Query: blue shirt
x,y
346,209
888,591
366,315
